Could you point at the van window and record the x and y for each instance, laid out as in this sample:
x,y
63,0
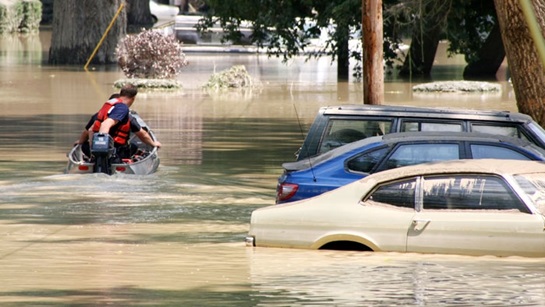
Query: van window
x,y
343,131
538,132
511,131
413,126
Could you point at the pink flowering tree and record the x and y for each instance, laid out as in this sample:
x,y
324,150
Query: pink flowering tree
x,y
150,55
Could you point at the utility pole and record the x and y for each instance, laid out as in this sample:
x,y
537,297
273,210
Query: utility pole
x,y
372,36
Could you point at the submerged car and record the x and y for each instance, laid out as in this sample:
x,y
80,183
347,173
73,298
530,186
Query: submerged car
x,y
335,126
471,207
314,176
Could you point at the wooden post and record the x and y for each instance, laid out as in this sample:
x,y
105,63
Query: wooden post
x,y
372,36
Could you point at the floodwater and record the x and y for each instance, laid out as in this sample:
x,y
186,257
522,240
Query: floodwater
x,y
176,237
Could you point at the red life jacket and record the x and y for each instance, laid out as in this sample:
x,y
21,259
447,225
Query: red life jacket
x,y
122,131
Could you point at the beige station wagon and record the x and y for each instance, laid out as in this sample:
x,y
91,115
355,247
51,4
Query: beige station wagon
x,y
471,207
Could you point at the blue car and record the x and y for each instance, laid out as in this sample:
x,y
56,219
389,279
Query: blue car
x,y
345,164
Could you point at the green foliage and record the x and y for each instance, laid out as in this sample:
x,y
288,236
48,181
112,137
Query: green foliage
x,y
286,27
32,15
150,54
234,77
468,27
20,16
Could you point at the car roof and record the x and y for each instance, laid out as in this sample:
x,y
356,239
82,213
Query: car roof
x,y
490,166
428,112
393,138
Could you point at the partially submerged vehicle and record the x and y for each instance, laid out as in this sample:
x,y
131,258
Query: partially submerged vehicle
x,y
468,207
335,126
350,162
145,160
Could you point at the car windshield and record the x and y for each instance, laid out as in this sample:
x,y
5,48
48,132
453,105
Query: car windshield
x,y
534,186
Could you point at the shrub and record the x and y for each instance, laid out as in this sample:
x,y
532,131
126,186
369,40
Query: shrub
x,y
234,77
150,54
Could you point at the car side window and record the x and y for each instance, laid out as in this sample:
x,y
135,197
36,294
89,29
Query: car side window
x,y
479,151
410,154
398,194
412,126
343,131
366,162
469,192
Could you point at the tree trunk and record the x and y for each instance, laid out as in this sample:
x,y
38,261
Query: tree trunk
x,y
78,27
343,53
373,66
491,56
138,16
527,72
425,38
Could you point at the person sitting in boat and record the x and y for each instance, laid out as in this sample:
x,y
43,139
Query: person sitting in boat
x,y
113,117
124,152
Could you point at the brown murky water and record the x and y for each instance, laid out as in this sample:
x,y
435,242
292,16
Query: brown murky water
x,y
176,237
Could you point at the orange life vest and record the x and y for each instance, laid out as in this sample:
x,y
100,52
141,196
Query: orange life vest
x,y
122,130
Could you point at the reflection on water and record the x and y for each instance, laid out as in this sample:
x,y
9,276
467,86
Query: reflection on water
x,y
175,237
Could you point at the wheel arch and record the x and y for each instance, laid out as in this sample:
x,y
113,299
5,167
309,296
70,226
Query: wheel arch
x,y
332,239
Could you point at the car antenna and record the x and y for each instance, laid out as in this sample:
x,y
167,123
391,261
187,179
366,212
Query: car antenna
x,y
302,134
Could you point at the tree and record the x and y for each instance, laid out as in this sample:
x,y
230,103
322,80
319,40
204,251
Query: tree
x,y
527,71
473,30
429,24
285,30
78,27
138,15
373,71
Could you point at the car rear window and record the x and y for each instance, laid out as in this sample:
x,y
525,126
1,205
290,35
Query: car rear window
x,y
366,162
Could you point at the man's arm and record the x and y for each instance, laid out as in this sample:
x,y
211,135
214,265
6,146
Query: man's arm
x,y
146,138
107,124
82,138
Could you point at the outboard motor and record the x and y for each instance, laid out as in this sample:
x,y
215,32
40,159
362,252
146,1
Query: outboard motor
x,y
102,148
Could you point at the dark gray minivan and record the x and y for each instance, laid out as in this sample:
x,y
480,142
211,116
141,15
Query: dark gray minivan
x,y
335,126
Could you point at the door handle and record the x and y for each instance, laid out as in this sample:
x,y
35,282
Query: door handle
x,y
419,224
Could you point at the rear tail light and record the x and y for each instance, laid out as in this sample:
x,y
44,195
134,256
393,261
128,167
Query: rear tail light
x,y
285,191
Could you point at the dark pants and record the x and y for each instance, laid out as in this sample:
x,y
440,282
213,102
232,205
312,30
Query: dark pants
x,y
127,151
121,152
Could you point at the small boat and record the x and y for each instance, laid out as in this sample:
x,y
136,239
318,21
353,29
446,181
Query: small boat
x,y
145,161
